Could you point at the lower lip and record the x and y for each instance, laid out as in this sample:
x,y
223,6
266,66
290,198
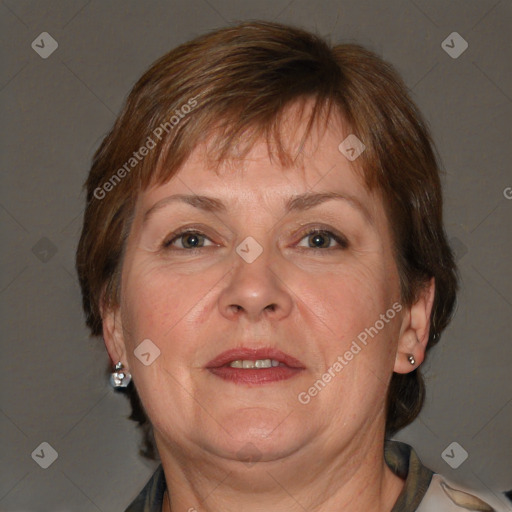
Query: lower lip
x,y
256,376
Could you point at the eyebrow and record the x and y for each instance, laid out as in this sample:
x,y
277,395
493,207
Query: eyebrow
x,y
296,203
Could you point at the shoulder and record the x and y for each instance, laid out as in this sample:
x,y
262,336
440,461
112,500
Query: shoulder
x,y
443,495
426,491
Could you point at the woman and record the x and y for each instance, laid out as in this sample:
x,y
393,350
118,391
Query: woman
x,y
263,252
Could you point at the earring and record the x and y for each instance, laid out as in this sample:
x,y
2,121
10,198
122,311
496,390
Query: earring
x,y
120,378
411,359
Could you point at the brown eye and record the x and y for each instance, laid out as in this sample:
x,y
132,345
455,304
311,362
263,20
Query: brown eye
x,y
187,240
323,239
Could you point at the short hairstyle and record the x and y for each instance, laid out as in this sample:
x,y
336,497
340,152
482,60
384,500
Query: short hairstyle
x,y
238,81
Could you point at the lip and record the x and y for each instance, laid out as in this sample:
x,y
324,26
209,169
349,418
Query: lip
x,y
256,376
252,354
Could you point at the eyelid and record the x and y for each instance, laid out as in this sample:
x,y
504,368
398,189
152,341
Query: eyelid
x,y
175,235
339,238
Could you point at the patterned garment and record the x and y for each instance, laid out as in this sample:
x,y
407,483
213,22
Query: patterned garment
x,y
423,491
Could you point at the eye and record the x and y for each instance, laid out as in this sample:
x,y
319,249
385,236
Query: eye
x,y
189,239
322,238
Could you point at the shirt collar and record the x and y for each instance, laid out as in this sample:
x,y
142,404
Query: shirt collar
x,y
403,461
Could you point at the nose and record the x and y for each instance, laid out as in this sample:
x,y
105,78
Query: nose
x,y
256,291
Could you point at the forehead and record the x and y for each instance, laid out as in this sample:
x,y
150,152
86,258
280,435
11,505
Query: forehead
x,y
318,166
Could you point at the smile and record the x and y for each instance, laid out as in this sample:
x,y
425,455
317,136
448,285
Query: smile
x,y
259,363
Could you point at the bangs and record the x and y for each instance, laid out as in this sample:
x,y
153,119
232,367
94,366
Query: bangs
x,y
229,132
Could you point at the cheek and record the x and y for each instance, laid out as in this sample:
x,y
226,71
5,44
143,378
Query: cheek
x,y
347,307
164,304
349,298
160,304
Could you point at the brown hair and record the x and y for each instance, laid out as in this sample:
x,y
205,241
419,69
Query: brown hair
x,y
239,80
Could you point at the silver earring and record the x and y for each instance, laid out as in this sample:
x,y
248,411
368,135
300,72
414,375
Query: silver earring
x,y
411,359
120,378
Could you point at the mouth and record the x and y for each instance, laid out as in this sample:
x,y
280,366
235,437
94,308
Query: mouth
x,y
255,366
250,358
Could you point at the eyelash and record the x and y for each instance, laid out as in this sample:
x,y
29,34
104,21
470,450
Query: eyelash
x,y
341,240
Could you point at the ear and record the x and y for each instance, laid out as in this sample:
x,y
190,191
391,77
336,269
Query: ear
x,y
414,331
113,334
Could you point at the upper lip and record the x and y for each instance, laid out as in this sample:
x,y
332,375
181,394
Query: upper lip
x,y
254,354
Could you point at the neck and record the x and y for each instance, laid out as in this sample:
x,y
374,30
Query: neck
x,y
356,479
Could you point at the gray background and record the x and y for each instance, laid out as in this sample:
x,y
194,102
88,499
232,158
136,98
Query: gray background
x,y
54,113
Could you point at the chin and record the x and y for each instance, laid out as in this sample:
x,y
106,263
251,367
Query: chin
x,y
261,434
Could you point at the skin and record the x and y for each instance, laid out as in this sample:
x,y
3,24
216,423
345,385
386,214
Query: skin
x,y
325,455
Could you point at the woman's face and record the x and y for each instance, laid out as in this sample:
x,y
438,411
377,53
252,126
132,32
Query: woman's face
x,y
250,276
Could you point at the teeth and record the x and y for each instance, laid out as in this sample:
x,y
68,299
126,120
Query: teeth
x,y
259,363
